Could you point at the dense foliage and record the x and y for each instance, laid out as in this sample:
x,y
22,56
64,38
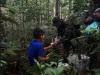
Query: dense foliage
x,y
17,20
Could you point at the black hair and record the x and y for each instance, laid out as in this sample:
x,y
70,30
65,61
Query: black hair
x,y
37,32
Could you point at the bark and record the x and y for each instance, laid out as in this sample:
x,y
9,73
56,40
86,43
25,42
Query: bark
x,y
57,8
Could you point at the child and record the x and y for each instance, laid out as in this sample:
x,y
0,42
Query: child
x,y
36,49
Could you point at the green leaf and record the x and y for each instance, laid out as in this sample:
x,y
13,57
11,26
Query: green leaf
x,y
12,10
3,62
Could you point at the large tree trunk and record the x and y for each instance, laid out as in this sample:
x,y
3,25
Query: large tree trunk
x,y
57,11
2,30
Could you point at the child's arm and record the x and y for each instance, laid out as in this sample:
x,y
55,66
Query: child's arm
x,y
49,47
43,58
46,48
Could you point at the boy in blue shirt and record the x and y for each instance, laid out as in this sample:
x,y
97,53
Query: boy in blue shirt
x,y
36,49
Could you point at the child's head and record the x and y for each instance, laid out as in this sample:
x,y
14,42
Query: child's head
x,y
38,33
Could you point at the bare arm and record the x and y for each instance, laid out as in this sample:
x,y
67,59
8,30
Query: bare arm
x,y
43,58
48,47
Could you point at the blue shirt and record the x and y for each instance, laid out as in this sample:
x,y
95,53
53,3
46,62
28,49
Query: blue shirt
x,y
35,50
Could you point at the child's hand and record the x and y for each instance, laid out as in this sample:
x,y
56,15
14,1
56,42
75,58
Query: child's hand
x,y
53,44
50,46
47,57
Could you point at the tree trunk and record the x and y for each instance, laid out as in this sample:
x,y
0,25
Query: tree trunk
x,y
57,8
2,30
